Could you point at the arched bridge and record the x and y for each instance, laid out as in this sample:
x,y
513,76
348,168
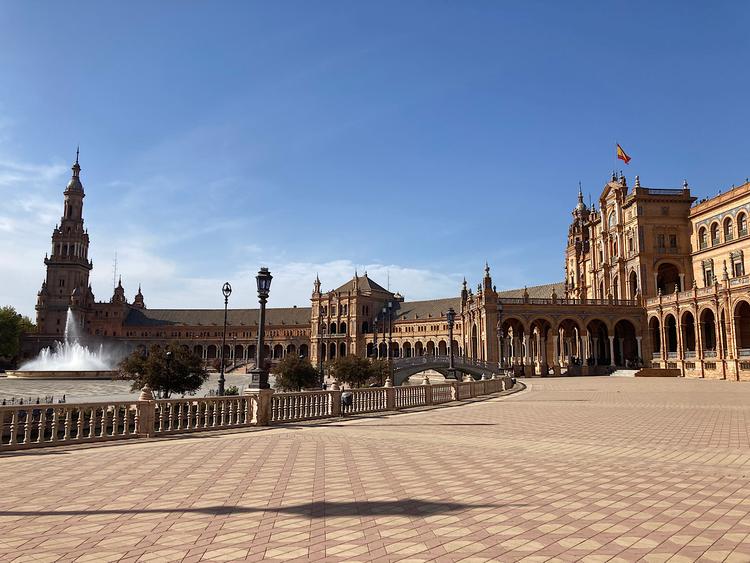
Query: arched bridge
x,y
404,368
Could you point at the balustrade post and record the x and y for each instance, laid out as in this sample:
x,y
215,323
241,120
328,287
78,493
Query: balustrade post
x,y
390,398
428,394
145,414
262,405
335,395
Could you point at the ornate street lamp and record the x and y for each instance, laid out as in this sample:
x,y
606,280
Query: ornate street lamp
x,y
259,379
226,290
451,315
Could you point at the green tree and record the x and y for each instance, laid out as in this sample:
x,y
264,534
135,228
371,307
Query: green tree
x,y
12,326
380,370
352,370
293,373
182,373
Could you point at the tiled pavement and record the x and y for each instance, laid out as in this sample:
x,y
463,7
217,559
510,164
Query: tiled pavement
x,y
580,469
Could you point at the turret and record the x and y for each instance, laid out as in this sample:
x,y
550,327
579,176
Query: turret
x,y
119,295
138,302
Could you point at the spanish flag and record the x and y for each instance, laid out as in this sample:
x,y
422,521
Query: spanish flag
x,y
621,154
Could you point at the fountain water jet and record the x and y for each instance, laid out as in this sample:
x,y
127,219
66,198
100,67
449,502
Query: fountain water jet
x,y
69,359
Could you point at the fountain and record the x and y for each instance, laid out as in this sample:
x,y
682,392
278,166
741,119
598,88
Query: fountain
x,y
68,360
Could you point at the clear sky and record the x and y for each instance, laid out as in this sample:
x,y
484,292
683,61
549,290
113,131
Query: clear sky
x,y
412,139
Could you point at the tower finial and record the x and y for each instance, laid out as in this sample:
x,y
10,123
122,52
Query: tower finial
x,y
78,149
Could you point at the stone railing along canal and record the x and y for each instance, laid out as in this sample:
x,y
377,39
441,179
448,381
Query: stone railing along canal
x,y
30,426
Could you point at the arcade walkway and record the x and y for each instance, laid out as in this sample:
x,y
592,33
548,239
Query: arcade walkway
x,y
590,469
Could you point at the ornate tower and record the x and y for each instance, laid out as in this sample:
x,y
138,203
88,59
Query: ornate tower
x,y
68,265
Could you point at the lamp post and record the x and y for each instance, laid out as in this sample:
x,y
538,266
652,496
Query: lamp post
x,y
259,378
451,315
168,390
375,351
226,290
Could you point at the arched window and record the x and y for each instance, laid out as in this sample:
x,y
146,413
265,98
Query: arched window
x,y
715,234
703,237
742,225
612,220
728,230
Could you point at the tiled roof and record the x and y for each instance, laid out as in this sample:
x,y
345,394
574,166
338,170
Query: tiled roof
x,y
365,284
208,317
420,310
536,291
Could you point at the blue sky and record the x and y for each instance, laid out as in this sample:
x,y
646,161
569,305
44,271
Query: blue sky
x,y
413,139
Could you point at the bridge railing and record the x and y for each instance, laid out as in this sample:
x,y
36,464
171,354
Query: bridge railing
x,y
442,361
30,426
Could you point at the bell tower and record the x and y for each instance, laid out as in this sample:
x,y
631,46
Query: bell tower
x,y
68,265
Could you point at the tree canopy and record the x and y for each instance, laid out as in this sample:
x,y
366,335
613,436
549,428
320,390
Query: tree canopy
x,y
355,371
294,373
12,326
182,373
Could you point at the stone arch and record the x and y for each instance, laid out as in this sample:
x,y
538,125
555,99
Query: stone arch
x,y
728,229
303,350
430,348
333,328
407,349
687,324
668,278
252,351
715,233
741,224
670,333
541,343
291,349
370,350
239,352
633,279
198,350
442,348
342,349
278,352
342,328
418,348
395,350
742,327
707,323
598,332
570,341
654,329
625,343
332,350
702,237
382,350
211,352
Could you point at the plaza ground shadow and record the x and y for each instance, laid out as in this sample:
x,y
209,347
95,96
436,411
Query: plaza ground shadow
x,y
405,507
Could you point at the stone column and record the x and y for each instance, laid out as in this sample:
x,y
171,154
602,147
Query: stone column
x,y
638,340
622,350
682,282
611,350
596,350
543,367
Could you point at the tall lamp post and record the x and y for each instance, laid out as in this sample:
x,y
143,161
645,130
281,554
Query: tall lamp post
x,y
227,291
322,347
259,377
451,314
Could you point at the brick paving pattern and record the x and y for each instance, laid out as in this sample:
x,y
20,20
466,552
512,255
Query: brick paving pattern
x,y
579,469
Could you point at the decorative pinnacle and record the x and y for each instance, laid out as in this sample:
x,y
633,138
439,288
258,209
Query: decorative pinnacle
x,y
78,149
637,181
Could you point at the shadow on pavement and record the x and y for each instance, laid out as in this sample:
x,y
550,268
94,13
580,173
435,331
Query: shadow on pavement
x,y
406,507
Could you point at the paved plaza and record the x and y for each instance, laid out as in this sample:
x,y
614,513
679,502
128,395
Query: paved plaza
x,y
589,469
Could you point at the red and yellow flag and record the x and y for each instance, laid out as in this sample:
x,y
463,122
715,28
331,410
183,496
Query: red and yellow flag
x,y
622,155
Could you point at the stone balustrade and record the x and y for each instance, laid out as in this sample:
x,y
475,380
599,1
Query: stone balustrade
x,y
30,426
